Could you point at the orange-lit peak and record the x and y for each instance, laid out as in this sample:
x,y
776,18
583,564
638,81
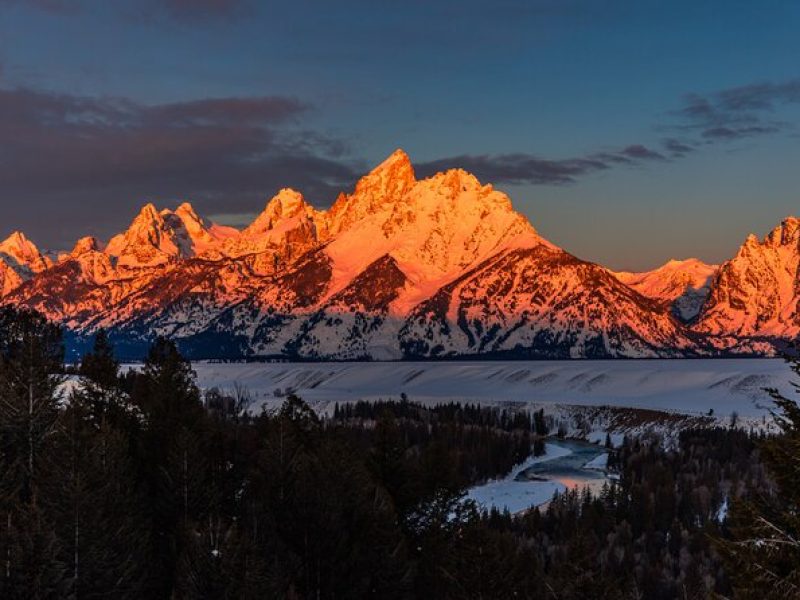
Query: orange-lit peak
x,y
286,204
392,177
85,245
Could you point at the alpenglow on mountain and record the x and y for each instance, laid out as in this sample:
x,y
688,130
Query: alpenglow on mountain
x,y
399,268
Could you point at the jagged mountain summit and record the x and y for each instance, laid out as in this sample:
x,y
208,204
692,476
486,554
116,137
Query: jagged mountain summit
x,y
20,260
399,268
756,293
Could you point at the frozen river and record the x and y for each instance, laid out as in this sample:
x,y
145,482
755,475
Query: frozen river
x,y
567,464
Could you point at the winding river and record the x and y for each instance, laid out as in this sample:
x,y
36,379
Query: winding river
x,y
566,464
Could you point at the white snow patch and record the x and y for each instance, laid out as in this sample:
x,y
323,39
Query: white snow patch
x,y
722,513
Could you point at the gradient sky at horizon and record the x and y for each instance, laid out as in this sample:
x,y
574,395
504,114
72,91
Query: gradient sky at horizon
x,y
628,132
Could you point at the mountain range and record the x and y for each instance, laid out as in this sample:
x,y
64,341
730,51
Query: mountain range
x,y
400,268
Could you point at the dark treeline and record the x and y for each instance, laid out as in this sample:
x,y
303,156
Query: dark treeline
x,y
448,446
452,412
139,486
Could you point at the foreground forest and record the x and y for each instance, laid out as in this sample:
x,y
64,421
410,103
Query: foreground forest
x,y
137,485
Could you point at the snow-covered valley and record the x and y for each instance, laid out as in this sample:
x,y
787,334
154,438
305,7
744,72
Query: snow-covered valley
x,y
687,387
596,401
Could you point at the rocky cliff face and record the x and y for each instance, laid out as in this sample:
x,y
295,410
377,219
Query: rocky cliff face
x,y
756,292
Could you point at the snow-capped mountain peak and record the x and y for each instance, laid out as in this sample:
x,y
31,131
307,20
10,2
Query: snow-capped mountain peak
x,y
384,186
22,254
682,285
195,234
434,228
400,267
155,238
287,204
84,245
148,242
785,234
194,224
756,292
389,180
20,260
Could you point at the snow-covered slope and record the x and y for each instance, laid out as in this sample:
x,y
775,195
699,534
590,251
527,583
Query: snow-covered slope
x,y
400,267
542,302
693,387
681,285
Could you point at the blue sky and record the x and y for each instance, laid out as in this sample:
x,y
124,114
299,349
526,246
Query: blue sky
x,y
628,132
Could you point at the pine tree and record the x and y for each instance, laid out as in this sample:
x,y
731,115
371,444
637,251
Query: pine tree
x,y
170,455
100,366
764,555
166,390
99,511
100,393
386,461
31,363
219,562
32,568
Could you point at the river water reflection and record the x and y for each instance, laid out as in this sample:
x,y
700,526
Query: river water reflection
x,y
567,464
568,468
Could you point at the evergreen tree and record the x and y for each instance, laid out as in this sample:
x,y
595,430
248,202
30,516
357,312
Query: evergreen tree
x,y
99,366
387,461
169,454
100,393
764,554
218,562
99,511
31,363
32,568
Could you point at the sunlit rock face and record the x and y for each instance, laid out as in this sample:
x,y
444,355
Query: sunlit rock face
x,y
400,267
756,292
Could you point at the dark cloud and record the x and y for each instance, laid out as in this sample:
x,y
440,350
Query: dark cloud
x,y
639,152
733,133
725,115
190,11
197,10
738,112
91,160
529,169
58,7
515,168
612,158
677,148
225,111
759,96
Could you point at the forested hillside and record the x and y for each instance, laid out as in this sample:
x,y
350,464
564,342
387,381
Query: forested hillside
x,y
137,485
